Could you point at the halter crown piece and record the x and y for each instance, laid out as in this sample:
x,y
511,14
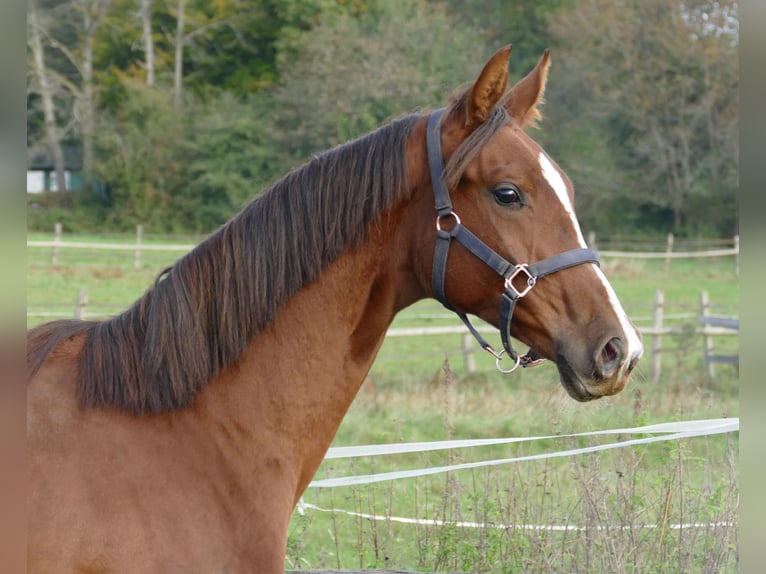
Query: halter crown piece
x,y
507,270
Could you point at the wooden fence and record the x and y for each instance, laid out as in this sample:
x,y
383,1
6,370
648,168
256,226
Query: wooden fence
x,y
706,325
694,248
667,251
57,245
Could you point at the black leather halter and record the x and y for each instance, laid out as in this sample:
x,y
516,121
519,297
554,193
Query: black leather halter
x,y
528,273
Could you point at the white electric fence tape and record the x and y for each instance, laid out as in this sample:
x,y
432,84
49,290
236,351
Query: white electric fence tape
x,y
674,430
303,506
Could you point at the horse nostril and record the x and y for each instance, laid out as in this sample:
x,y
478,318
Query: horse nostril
x,y
611,356
609,352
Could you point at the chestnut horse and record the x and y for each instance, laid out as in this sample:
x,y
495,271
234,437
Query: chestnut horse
x,y
179,435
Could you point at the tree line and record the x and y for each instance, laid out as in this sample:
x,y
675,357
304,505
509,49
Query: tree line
x,y
187,109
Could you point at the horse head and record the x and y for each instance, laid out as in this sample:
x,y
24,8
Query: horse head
x,y
509,246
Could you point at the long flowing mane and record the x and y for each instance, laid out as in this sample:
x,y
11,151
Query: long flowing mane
x,y
200,314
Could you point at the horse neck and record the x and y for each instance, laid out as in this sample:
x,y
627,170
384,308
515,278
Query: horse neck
x,y
298,377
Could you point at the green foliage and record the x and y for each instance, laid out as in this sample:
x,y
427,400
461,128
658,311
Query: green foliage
x,y
142,161
230,45
350,77
408,399
229,160
656,81
642,106
78,211
181,172
523,24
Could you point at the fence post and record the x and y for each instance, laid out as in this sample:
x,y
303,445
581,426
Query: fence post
x,y
736,255
139,237
669,250
466,346
659,301
56,239
708,340
82,303
591,242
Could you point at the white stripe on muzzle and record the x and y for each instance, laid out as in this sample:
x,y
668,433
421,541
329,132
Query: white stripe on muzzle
x,y
556,181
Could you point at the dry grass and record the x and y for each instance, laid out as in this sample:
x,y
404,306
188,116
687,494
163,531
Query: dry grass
x,y
628,509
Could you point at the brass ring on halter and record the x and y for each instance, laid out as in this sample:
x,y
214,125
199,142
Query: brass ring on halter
x,y
440,217
499,357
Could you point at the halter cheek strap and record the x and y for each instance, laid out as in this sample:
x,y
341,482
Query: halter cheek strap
x,y
513,275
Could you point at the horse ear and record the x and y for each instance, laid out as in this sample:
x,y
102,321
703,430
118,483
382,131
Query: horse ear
x,y
488,88
524,98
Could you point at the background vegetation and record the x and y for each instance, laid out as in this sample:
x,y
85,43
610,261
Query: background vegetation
x,y
188,108
627,501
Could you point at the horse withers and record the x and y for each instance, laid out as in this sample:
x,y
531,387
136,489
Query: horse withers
x,y
179,435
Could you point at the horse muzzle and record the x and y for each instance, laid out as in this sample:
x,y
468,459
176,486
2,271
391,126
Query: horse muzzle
x,y
596,371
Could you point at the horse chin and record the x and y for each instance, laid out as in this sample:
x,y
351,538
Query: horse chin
x,y
572,382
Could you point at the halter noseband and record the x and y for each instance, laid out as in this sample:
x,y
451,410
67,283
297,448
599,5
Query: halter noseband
x,y
528,272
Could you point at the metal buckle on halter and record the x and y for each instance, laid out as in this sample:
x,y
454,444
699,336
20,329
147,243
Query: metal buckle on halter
x,y
446,215
499,357
525,360
531,280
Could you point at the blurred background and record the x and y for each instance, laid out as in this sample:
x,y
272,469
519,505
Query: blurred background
x,y
173,114
162,118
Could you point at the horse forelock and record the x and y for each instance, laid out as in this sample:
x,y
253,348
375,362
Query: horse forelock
x,y
470,147
200,314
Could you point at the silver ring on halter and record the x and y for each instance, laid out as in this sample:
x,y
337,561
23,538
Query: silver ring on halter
x,y
440,217
499,357
531,280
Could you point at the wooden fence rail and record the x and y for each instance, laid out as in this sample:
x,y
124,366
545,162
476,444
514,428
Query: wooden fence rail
x,y
716,325
709,326
139,246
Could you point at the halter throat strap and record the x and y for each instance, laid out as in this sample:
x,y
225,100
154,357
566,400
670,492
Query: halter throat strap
x,y
513,275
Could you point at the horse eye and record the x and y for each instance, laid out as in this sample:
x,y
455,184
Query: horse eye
x,y
507,195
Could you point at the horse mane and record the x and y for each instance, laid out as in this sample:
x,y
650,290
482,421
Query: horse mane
x,y
201,313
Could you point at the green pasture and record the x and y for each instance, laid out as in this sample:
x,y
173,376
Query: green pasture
x,y
627,502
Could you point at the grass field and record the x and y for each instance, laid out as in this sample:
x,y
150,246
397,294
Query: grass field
x,y
626,503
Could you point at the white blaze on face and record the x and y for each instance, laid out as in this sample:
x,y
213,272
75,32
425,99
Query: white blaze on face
x,y
556,181
553,176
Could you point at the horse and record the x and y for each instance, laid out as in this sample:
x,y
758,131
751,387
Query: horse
x,y
179,435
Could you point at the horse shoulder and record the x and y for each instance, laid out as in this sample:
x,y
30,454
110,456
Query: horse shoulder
x,y
52,392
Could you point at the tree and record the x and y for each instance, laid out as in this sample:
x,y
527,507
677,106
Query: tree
x,y
142,160
657,80
642,101
71,38
523,23
350,76
45,90
198,47
92,14
182,173
240,52
148,38
230,160
178,69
